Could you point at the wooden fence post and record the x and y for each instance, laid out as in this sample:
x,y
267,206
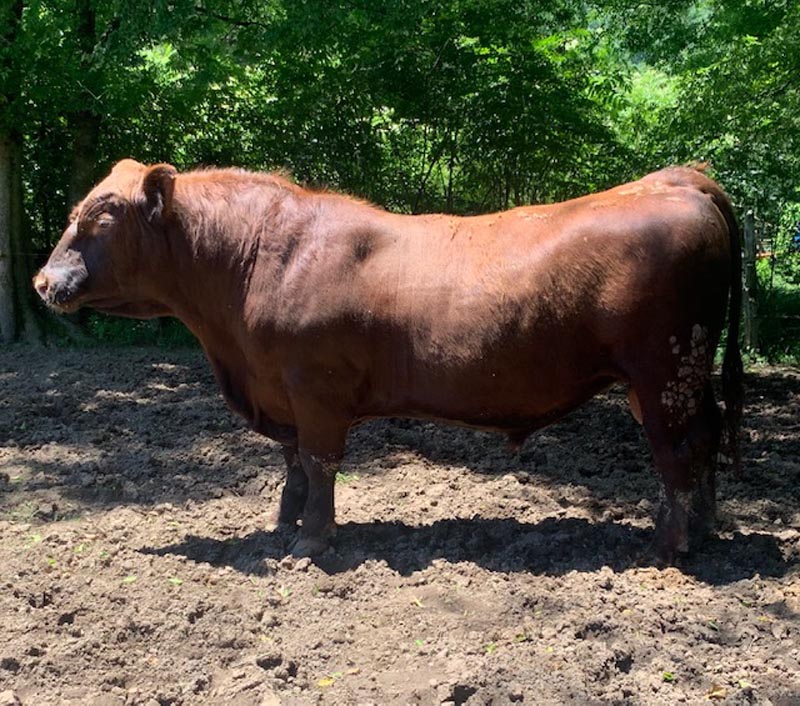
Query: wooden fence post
x,y
750,299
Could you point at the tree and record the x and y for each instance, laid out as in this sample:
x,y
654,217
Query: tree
x,y
7,309
457,105
724,76
10,19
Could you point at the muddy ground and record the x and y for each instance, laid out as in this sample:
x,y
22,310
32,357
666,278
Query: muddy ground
x,y
139,566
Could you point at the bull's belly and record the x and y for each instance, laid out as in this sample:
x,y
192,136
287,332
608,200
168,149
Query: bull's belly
x,y
529,408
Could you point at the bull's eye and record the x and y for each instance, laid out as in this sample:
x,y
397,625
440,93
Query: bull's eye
x,y
102,221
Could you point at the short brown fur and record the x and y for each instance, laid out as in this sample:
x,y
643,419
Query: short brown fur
x,y
318,311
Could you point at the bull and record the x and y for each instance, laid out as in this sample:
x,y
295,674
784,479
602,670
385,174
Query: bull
x,y
318,311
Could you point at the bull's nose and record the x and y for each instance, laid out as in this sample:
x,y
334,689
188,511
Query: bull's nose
x,y
41,284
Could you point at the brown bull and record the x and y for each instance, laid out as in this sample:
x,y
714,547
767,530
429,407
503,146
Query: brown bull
x,y
318,311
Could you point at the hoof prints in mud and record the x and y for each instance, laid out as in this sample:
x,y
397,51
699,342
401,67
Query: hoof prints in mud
x,y
139,566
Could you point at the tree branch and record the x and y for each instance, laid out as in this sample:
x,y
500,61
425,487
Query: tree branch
x,y
230,20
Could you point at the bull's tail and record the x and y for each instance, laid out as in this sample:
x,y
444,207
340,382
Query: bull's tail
x,y
732,370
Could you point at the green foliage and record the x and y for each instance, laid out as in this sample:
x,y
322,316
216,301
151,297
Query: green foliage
x,y
786,249
780,321
110,330
459,105
735,64
779,305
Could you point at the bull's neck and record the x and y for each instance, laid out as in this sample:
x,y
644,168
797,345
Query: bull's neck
x,y
224,225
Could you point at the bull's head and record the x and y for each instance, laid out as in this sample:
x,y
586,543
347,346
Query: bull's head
x,y
105,254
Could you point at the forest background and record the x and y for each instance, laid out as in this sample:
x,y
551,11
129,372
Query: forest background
x,y
464,106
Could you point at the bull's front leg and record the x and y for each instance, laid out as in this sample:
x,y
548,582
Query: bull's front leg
x,y
318,524
295,490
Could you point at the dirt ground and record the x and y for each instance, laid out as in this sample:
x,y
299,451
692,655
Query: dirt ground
x,y
138,564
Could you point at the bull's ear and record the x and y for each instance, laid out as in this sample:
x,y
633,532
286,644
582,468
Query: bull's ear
x,y
158,185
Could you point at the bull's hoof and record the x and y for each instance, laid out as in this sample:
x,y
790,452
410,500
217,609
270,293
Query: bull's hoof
x,y
309,547
668,546
671,539
661,555
702,526
662,551
699,535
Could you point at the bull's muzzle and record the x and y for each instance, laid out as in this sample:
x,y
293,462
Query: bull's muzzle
x,y
41,284
58,285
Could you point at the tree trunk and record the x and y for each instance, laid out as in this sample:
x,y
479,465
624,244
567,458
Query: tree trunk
x,y
84,126
7,312
8,34
29,322
85,131
85,123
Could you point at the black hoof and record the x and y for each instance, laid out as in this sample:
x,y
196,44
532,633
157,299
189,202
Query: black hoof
x,y
308,547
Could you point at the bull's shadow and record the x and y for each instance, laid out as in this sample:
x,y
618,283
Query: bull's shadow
x,y
601,448
148,426
552,546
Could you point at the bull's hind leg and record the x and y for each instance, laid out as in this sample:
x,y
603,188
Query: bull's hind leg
x,y
681,421
673,462
704,437
685,456
684,442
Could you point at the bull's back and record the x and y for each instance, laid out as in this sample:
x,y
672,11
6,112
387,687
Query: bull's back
x,y
532,308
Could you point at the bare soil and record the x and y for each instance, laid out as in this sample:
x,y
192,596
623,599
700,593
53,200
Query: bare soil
x,y
138,564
